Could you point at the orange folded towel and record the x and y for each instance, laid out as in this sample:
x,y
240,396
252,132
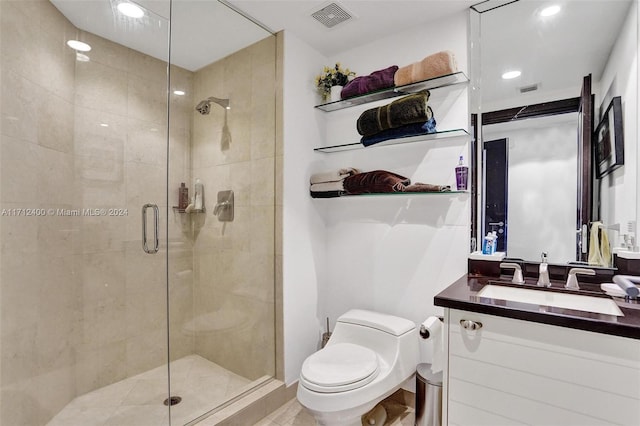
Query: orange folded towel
x,y
436,65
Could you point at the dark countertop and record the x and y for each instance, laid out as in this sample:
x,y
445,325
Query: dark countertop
x,y
462,294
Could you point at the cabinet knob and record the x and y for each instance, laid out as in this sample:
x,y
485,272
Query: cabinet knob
x,y
470,325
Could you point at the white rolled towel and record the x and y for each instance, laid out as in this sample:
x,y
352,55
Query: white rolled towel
x,y
327,186
333,176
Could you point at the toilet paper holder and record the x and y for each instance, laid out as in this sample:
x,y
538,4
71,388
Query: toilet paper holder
x,y
424,333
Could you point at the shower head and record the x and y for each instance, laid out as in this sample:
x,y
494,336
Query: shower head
x,y
204,107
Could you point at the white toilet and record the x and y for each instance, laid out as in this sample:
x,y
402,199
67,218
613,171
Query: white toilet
x,y
369,356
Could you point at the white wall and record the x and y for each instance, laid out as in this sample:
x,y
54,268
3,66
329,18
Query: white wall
x,y
620,201
303,229
388,254
394,255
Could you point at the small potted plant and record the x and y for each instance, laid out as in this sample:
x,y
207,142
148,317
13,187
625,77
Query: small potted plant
x,y
332,80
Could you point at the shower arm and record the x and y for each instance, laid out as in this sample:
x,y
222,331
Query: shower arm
x,y
224,103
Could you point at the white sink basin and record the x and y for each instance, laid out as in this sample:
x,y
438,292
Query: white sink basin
x,y
576,302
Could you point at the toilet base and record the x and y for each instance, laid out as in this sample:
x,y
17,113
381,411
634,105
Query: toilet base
x,y
351,418
349,422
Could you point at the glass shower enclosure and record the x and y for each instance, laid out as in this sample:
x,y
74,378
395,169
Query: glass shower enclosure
x,y
118,305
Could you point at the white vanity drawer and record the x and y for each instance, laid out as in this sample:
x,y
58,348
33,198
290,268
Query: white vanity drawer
x,y
510,371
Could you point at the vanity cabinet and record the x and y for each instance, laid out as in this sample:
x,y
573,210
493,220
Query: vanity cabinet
x,y
512,372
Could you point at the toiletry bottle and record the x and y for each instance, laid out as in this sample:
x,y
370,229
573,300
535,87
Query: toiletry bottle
x,y
462,174
183,196
487,244
494,245
199,195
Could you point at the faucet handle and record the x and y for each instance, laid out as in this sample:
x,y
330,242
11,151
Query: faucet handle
x,y
572,280
517,273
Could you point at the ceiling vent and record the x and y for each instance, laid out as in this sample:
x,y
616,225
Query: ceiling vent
x,y
529,88
332,15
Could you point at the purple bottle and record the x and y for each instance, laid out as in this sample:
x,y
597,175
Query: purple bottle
x,y
462,174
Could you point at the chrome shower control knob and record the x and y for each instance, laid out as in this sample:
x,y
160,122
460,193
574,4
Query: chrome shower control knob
x,y
470,325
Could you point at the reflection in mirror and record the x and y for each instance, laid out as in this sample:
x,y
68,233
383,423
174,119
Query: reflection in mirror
x,y
541,182
540,171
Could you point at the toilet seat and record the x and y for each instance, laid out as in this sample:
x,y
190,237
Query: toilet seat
x,y
339,368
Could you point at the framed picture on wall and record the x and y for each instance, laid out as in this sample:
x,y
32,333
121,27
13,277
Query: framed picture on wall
x,y
609,140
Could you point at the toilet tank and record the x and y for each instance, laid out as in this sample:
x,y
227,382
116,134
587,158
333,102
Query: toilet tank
x,y
387,323
395,339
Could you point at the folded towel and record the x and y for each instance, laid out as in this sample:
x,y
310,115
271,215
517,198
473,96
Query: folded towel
x,y
376,181
327,186
406,110
599,248
436,65
382,181
407,130
333,176
427,187
326,194
377,80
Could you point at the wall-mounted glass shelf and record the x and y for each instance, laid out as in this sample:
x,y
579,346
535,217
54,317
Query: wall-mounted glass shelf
x,y
409,139
394,194
179,210
449,80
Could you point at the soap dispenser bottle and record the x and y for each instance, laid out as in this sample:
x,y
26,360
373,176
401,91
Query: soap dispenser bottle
x,y
199,195
543,272
183,196
462,174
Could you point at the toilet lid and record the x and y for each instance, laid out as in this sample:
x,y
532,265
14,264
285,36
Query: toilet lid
x,y
340,367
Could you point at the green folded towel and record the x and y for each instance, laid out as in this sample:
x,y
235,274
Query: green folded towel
x,y
406,110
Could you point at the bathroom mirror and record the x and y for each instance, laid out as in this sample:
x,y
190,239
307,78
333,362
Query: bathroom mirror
x,y
549,47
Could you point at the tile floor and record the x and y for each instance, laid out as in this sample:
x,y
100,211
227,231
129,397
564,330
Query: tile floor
x,y
138,400
293,414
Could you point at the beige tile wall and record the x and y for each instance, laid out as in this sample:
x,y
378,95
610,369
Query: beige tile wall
x,y
234,262
40,293
81,305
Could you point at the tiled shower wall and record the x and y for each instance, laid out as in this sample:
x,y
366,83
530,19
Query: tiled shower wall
x,y
82,306
40,296
233,261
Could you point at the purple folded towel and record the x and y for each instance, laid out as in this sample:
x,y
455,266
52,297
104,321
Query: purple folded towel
x,y
377,80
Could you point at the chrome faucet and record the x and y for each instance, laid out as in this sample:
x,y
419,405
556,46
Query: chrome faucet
x,y
543,272
517,272
572,280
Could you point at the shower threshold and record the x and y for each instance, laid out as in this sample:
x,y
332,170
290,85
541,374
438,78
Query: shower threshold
x,y
138,401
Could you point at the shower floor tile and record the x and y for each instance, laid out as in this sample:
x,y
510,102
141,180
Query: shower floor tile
x,y
138,400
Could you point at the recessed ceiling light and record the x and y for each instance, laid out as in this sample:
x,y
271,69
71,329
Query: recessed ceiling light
x,y
550,11
178,92
511,74
78,45
131,10
81,57
104,125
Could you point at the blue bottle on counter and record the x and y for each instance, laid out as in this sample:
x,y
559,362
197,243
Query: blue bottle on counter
x,y
488,244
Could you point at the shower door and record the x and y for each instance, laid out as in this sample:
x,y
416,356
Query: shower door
x,y
221,254
84,136
116,306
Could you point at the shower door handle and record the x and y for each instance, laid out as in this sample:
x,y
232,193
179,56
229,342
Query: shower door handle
x,y
156,239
